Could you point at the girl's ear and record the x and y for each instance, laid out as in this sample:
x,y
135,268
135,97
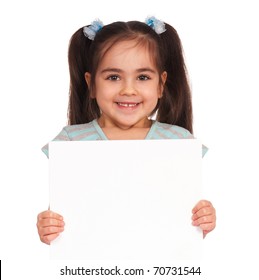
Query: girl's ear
x,y
163,78
88,78
88,81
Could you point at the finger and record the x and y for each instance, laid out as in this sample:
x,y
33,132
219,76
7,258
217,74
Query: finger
x,y
50,222
207,227
201,204
48,238
204,220
50,230
205,211
49,214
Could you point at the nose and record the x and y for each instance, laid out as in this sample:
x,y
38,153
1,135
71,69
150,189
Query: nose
x,y
128,89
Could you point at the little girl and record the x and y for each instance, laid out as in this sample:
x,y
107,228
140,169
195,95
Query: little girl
x,y
121,75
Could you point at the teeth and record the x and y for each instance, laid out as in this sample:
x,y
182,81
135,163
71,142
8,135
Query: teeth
x,y
127,104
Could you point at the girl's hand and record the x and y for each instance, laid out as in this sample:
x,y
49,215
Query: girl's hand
x,y
204,216
49,225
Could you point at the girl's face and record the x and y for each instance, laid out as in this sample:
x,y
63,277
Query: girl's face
x,y
127,86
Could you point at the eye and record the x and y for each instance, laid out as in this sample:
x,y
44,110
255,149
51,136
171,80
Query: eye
x,y
143,78
113,78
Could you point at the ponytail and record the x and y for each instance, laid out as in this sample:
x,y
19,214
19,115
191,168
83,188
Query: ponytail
x,y
175,106
81,108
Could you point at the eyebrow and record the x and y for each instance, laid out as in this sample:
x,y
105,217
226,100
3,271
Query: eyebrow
x,y
118,70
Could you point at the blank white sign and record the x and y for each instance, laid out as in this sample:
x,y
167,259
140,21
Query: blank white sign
x,y
126,200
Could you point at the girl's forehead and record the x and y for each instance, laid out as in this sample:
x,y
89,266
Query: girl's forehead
x,y
129,48
126,45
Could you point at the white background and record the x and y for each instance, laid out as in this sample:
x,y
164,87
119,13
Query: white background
x,y
220,40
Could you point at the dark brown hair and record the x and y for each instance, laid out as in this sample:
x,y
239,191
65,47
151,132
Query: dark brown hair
x,y
175,106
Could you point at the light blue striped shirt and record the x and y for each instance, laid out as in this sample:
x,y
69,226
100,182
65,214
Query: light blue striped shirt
x,y
92,131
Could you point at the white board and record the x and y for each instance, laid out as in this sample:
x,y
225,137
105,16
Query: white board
x,y
126,200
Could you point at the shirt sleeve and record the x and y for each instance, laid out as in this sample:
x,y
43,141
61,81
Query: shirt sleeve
x,y
204,150
188,135
62,136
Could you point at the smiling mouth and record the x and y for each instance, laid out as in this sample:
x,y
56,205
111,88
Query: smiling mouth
x,y
127,105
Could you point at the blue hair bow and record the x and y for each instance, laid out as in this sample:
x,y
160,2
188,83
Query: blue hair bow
x,y
91,30
155,24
